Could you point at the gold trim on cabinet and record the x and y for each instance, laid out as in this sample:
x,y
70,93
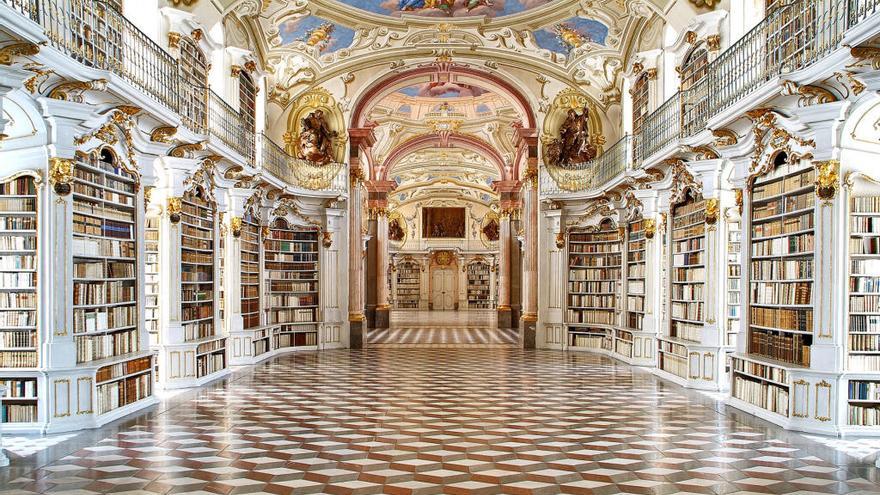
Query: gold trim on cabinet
x,y
827,416
794,396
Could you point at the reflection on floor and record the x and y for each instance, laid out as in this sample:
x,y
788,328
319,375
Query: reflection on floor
x,y
472,328
422,421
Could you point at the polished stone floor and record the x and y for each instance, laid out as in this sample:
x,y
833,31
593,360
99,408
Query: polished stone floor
x,y
466,328
458,421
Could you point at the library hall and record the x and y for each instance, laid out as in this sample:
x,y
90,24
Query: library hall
x,y
423,247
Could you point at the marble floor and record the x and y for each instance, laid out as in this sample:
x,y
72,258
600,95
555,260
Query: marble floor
x,y
423,421
467,328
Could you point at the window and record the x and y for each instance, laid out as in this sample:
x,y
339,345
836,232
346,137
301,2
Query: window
x,y
694,67
639,94
193,66
247,101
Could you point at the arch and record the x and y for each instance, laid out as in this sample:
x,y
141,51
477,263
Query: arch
x,y
394,81
437,141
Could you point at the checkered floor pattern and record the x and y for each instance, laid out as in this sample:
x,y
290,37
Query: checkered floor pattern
x,y
456,421
472,328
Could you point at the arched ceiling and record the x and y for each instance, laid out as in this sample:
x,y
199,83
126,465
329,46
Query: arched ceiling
x,y
429,173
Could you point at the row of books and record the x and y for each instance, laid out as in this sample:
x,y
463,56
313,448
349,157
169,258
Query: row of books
x,y
292,316
18,223
118,370
198,330
860,415
192,243
587,274
589,341
762,394
107,248
693,231
864,245
687,259
689,274
689,213
594,248
864,284
635,303
790,204
635,256
100,319
188,294
687,311
782,292
689,291
863,362
869,267
783,318
91,293
212,346
865,225
864,323
20,280
635,286
579,287
865,204
281,266
286,286
99,270
782,269
864,343
592,301
767,372
18,318
197,273
210,364
114,395
18,359
288,300
595,317
788,347
197,312
783,226
600,236
864,304
18,413
99,194
197,232
686,331
775,187
17,242
793,244
293,235
21,186
21,388
18,205
95,347
12,340
694,244
672,363
864,390
93,211
296,339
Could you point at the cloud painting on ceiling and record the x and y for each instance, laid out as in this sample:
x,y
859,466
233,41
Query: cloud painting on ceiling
x,y
446,8
567,35
442,90
326,36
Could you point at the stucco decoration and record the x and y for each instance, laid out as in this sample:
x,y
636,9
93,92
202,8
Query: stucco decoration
x,y
317,99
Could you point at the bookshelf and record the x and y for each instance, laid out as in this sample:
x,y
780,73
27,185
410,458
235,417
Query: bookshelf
x,y
105,288
152,280
594,274
19,335
734,282
292,279
250,270
479,286
198,252
863,322
635,275
409,285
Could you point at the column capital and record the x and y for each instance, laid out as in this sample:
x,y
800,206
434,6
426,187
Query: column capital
x,y
361,137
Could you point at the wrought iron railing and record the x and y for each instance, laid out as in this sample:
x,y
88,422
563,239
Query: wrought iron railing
x,y
591,174
790,38
228,125
302,173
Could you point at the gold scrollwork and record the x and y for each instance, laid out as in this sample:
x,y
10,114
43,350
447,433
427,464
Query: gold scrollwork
x,y
827,179
650,227
800,386
61,175
163,134
73,90
235,225
327,239
9,52
560,240
173,209
712,211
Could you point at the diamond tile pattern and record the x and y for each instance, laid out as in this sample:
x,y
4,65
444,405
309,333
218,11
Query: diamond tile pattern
x,y
456,421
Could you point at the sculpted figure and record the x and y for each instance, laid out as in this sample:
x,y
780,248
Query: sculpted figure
x,y
573,144
315,141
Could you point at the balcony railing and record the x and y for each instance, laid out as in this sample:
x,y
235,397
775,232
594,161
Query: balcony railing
x,y
589,175
790,38
228,125
303,173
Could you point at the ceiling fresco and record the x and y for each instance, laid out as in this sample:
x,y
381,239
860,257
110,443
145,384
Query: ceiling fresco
x,y
314,31
446,8
442,90
565,36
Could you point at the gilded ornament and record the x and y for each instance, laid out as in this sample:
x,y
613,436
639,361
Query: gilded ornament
x,y
9,52
650,227
196,35
173,39
724,137
163,134
183,150
148,195
235,225
40,76
827,179
61,175
709,4
690,37
637,68
712,211
809,94
73,90
866,54
250,66
173,209
713,42
738,195
234,70
327,239
560,240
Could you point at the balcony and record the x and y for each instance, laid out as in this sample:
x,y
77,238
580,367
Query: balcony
x,y
589,175
791,38
95,34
